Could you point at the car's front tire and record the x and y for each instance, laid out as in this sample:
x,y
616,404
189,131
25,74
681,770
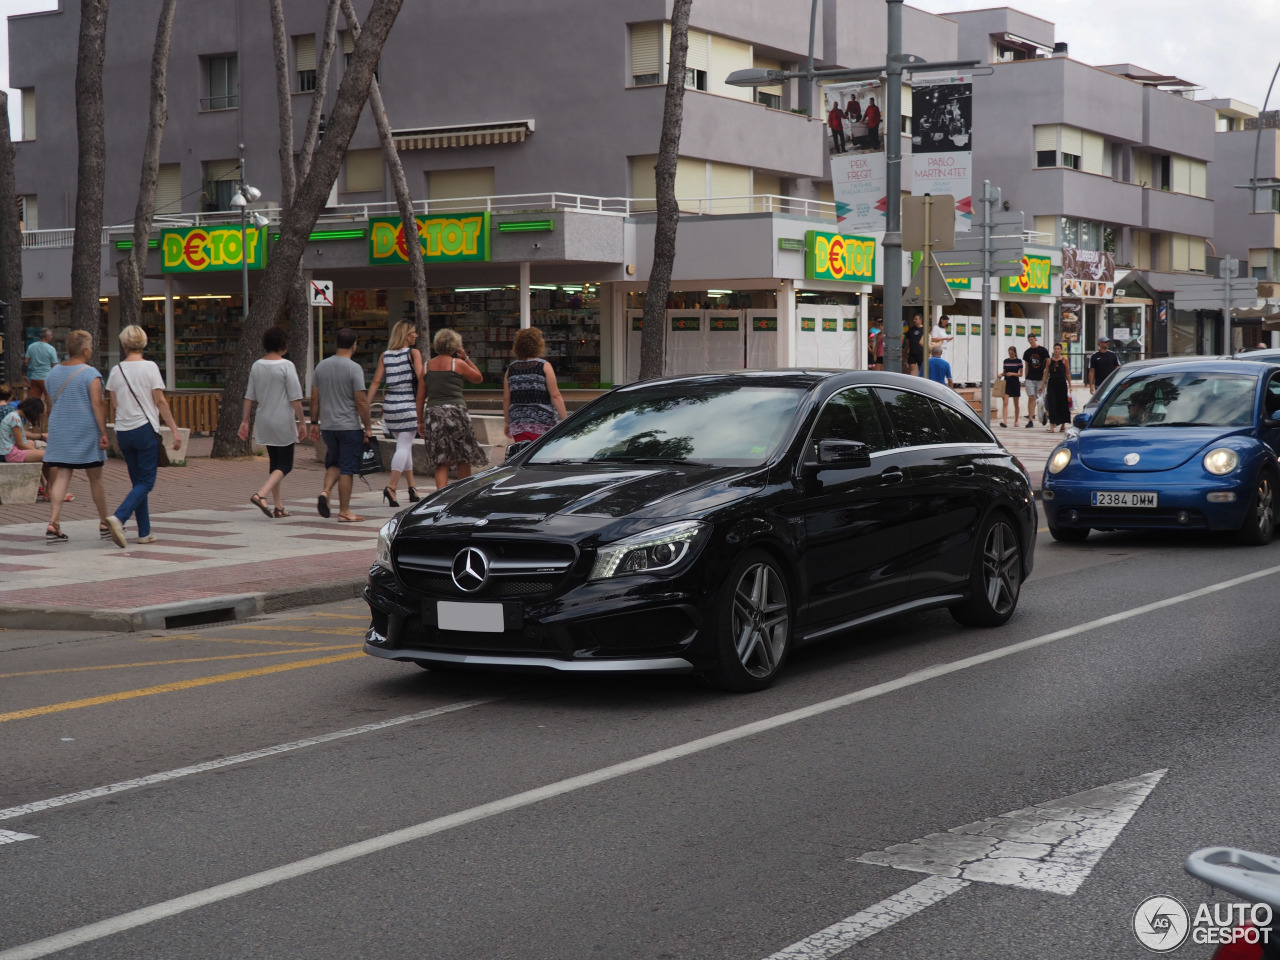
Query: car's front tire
x,y
1259,525
753,625
996,578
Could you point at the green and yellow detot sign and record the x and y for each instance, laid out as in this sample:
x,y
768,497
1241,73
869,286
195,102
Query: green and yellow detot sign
x,y
832,256
1035,278
211,249
451,238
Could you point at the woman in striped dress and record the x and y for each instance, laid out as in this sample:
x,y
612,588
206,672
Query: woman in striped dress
x,y
77,431
531,401
401,367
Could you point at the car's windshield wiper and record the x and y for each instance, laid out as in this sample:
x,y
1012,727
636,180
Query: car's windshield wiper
x,y
555,463
1183,423
647,460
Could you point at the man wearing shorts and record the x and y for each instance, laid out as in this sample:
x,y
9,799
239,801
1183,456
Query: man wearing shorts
x,y
40,359
1036,358
338,381
913,346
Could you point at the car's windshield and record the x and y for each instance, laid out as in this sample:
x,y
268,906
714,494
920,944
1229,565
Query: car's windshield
x,y
1190,399
703,422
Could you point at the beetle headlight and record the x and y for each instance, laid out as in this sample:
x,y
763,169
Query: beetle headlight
x,y
1221,461
1058,462
384,542
648,552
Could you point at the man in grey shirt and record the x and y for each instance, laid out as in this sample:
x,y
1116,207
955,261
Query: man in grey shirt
x,y
339,381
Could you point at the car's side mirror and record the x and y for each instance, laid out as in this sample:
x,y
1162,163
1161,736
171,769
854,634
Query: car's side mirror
x,y
518,447
1270,423
843,453
1080,421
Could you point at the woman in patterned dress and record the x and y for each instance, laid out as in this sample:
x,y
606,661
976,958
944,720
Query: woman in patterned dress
x,y
401,366
531,401
447,432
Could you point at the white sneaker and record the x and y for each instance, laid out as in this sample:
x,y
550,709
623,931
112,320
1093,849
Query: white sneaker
x,y
149,538
116,529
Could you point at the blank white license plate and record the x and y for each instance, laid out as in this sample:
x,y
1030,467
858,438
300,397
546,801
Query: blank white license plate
x,y
471,617
1107,498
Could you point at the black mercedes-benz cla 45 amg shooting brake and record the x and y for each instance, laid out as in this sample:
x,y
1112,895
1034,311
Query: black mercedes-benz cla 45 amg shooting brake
x,y
709,524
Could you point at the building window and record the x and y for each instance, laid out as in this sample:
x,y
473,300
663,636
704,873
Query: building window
x,y
220,179
695,79
27,211
1070,161
458,190
1275,201
1088,235
771,100
364,171
646,54
304,56
349,47
169,189
222,83
28,113
1046,158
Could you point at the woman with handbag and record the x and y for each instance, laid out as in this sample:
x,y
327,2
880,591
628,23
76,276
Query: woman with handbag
x,y
138,391
77,431
1012,374
448,436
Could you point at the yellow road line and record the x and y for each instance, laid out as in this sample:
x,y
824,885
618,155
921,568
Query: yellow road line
x,y
340,631
173,687
334,616
294,645
164,663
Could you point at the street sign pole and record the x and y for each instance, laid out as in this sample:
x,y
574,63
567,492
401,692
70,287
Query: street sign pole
x,y
988,204
927,260
892,319
1228,268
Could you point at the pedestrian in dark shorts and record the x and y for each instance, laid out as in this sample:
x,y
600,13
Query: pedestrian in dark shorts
x,y
913,345
1037,360
274,387
339,382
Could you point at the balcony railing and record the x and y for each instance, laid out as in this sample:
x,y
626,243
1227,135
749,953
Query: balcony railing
x,y
350,213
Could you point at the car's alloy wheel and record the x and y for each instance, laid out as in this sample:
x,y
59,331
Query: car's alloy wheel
x,y
1260,519
996,578
755,632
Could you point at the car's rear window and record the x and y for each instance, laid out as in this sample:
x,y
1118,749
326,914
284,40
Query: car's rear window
x,y
1181,399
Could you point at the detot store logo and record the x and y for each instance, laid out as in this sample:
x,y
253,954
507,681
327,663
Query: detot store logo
x,y
831,256
460,237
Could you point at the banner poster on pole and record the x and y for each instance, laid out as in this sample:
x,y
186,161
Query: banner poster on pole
x,y
1069,324
855,142
942,142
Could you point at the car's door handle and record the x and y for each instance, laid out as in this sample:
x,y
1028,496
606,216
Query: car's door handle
x,y
965,470
892,475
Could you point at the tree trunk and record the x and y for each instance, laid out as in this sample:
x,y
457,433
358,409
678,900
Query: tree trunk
x,y
404,199
132,270
299,308
91,176
653,336
324,58
10,253
295,228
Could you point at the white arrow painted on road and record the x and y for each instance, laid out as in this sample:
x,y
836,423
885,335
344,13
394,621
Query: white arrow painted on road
x,y
12,836
1051,848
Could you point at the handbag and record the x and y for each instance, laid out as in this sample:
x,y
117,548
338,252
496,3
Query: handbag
x,y
370,457
162,455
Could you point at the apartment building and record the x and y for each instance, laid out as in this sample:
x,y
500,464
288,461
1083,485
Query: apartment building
x,y
1112,161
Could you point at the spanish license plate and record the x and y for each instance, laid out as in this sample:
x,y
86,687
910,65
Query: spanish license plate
x,y
1128,498
469,617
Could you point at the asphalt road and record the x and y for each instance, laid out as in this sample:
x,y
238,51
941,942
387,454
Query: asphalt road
x,y
531,817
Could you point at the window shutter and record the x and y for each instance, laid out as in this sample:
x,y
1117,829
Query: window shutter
x,y
697,58
907,99
1181,252
30,217
222,170
1091,158
29,113
730,180
646,50
364,171
1181,175
644,181
1199,180
304,51
1196,260
1072,140
726,57
348,42
1047,137
169,189
444,185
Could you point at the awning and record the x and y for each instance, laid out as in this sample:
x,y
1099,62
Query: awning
x,y
468,135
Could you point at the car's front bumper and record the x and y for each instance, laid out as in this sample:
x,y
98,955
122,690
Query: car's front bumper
x,y
632,627
1068,502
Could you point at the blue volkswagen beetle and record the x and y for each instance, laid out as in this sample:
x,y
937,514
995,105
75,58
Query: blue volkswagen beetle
x,y
1188,446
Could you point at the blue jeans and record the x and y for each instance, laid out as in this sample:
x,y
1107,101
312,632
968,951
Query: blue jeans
x,y
141,450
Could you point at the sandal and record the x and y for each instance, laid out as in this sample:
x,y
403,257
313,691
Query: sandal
x,y
261,504
279,512
351,519
104,532
53,534
322,506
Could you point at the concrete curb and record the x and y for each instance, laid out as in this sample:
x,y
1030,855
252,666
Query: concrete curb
x,y
184,613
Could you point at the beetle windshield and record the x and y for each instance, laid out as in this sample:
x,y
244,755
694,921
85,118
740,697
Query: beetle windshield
x,y
696,422
1191,399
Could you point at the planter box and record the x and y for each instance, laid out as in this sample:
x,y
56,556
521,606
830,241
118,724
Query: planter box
x,y
19,482
177,458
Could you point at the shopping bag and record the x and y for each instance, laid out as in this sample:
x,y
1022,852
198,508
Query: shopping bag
x,y
997,388
370,457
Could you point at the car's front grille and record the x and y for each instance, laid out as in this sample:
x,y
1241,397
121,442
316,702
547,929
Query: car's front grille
x,y
517,568
1107,517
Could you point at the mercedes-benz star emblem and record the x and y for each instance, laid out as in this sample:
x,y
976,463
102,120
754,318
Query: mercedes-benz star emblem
x,y
470,569
1131,458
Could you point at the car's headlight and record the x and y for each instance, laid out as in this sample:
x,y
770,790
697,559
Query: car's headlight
x,y
384,541
648,552
1221,461
1058,462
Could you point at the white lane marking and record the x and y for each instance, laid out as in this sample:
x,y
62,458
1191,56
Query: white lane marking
x,y
11,836
208,765
1051,847
289,871
839,937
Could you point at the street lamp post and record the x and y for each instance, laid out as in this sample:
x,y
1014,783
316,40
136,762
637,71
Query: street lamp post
x,y
244,196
